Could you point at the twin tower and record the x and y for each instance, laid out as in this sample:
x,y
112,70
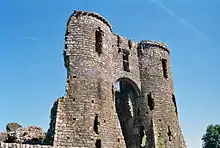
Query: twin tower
x,y
119,93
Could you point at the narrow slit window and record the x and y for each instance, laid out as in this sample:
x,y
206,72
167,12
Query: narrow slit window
x,y
96,124
126,61
169,133
129,44
118,41
98,41
151,103
138,112
164,65
174,102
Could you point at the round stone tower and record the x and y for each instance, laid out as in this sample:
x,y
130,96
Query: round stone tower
x,y
88,117
158,92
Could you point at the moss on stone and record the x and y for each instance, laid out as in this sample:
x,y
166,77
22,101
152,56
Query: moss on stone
x,y
160,142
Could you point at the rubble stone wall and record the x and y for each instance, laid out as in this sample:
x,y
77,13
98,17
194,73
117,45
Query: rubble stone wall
x,y
16,145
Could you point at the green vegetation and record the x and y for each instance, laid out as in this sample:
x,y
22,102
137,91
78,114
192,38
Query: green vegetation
x,y
211,139
144,141
160,142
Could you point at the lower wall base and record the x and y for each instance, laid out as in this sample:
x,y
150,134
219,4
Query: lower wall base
x,y
16,145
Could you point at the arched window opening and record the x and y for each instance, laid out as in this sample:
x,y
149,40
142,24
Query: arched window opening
x,y
98,41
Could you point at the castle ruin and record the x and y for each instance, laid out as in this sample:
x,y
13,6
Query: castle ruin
x,y
119,93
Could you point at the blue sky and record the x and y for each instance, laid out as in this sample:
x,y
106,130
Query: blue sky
x,y
32,72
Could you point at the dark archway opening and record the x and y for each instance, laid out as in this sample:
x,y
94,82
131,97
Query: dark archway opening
x,y
126,99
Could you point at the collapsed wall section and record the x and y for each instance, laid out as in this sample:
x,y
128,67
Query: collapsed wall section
x,y
57,123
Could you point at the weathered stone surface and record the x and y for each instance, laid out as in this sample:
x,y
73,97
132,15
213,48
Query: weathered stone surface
x,y
94,112
10,127
29,135
18,145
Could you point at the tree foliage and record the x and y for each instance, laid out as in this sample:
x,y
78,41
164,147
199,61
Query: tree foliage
x,y
211,139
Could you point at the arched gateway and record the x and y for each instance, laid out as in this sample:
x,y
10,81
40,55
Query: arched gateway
x,y
127,95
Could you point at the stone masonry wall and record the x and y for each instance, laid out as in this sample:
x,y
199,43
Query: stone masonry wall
x,y
87,116
92,112
89,87
158,91
90,80
16,145
57,118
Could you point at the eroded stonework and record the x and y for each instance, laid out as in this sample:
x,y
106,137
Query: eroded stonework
x,y
119,93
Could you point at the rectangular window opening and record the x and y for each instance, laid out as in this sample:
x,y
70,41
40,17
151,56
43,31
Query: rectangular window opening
x,y
98,41
96,124
150,101
118,41
164,65
126,61
129,44
98,143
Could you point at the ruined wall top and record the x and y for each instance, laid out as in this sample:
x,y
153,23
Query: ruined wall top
x,y
78,13
152,43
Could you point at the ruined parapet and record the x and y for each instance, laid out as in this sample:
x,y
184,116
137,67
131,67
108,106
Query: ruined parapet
x,y
92,14
146,44
157,88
